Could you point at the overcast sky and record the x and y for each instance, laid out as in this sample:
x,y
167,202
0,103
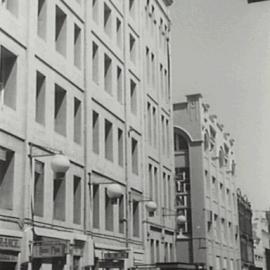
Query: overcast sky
x,y
221,48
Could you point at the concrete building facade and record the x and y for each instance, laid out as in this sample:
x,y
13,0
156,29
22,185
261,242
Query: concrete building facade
x,y
205,188
245,231
261,236
90,79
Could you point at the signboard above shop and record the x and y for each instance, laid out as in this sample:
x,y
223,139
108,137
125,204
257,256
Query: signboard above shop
x,y
120,255
10,243
49,250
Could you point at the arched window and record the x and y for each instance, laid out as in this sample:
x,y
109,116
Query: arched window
x,y
180,143
221,157
206,141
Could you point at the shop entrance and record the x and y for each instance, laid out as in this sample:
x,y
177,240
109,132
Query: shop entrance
x,y
7,265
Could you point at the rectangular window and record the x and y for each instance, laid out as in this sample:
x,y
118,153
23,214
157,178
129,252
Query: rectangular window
x,y
108,213
155,127
119,85
169,193
107,73
134,153
165,199
150,178
108,140
166,88
121,215
95,135
158,251
132,48
77,46
42,19
156,185
149,122
136,219
60,31
6,178
152,251
95,63
161,83
153,69
171,253
95,13
163,133
60,108
12,6
77,129
40,98
8,78
96,206
148,71
167,138
107,20
39,188
120,148
119,33
59,198
132,8
77,200
133,97
166,251
160,32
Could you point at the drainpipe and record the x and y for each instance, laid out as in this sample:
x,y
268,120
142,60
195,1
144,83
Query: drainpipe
x,y
126,120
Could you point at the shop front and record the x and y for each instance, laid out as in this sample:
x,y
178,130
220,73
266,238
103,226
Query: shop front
x,y
49,253
10,248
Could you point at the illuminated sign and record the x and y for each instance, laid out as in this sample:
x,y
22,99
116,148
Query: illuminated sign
x,y
49,250
10,243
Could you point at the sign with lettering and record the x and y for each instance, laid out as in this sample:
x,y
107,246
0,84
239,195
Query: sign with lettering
x,y
49,250
116,255
8,257
10,243
110,264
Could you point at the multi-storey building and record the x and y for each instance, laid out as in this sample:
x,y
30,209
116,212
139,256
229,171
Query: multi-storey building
x,y
205,193
261,235
91,79
245,231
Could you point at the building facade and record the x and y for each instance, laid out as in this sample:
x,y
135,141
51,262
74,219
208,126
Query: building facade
x,y
245,231
261,235
90,79
205,188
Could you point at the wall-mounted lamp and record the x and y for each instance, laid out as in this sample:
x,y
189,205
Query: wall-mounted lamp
x,y
114,190
59,163
151,207
180,220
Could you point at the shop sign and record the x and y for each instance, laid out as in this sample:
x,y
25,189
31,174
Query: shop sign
x,y
116,255
110,264
8,257
49,250
10,243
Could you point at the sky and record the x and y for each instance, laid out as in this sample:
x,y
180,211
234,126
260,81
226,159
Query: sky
x,y
221,49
